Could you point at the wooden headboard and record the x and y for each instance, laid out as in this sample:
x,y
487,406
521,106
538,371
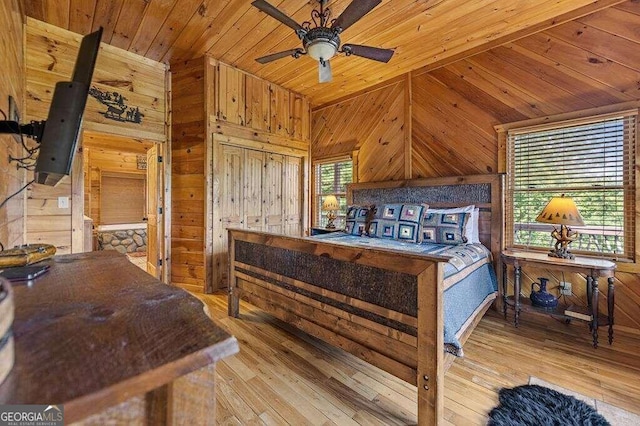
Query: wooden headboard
x,y
485,191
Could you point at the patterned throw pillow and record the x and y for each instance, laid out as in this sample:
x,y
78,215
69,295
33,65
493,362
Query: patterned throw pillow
x,y
356,219
399,222
444,228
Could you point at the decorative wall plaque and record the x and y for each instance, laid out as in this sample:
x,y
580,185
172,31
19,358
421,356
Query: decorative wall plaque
x,y
117,109
141,161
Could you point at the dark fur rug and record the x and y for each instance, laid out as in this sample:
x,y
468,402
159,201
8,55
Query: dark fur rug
x,y
536,406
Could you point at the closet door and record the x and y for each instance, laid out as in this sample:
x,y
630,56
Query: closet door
x,y
273,185
231,161
292,195
254,201
231,191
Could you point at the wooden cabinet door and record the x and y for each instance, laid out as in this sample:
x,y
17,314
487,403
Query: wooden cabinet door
x,y
254,201
273,185
231,95
292,195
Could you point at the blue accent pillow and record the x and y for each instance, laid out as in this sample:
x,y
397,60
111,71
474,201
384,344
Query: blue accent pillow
x,y
399,222
444,228
356,219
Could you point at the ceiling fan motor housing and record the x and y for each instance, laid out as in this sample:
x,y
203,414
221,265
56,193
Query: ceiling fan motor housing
x,y
321,43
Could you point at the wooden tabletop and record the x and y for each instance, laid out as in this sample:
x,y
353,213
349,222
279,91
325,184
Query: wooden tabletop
x,y
593,266
96,330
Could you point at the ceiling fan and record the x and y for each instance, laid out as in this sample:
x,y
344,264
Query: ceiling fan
x,y
321,36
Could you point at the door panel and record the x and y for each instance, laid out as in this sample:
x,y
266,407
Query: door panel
x,y
273,179
253,183
231,187
292,196
231,206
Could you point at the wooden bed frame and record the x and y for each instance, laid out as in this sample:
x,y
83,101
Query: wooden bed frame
x,y
383,306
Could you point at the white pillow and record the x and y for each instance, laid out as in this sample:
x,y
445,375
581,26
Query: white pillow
x,y
471,230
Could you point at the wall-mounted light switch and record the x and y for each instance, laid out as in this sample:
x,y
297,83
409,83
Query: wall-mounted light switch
x,y
63,202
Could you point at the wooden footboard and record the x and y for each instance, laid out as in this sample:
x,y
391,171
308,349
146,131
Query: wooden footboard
x,y
385,308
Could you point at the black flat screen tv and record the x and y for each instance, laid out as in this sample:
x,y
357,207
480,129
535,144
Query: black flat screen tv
x,y
59,137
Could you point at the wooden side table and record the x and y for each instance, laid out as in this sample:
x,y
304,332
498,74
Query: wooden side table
x,y
592,268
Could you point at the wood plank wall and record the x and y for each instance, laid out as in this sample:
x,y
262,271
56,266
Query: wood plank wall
x,y
50,57
371,123
11,84
188,148
589,62
211,97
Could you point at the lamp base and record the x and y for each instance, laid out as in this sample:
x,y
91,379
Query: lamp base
x,y
561,253
331,216
563,238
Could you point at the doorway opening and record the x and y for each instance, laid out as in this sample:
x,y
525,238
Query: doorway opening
x,y
117,194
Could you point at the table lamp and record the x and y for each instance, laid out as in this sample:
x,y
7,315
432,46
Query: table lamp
x,y
330,205
564,212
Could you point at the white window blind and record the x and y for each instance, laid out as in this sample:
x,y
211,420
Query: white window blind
x,y
591,160
331,178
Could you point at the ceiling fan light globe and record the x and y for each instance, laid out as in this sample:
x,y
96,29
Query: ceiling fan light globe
x,y
322,49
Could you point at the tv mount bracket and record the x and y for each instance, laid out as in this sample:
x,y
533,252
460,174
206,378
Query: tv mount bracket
x,y
33,130
12,125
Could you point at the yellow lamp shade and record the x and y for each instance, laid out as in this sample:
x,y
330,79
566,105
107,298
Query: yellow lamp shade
x,y
330,203
561,211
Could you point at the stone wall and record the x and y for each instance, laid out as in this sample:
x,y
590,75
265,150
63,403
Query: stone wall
x,y
124,241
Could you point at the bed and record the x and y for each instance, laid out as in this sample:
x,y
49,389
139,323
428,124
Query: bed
x,y
379,301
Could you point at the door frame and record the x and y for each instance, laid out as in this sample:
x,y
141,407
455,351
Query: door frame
x,y
80,167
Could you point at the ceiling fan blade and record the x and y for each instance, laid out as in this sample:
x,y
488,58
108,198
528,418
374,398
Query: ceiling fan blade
x,y
356,10
279,55
324,72
277,14
375,53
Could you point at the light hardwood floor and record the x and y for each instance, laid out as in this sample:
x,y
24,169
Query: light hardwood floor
x,y
282,376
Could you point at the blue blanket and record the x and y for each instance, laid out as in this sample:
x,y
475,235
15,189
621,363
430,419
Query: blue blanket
x,y
469,278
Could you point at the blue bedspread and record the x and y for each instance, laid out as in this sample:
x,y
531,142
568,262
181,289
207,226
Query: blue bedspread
x,y
469,278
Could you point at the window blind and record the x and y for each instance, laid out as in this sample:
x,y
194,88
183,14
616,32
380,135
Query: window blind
x,y
331,178
591,160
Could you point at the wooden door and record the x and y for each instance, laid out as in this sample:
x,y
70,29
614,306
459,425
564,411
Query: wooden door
x,y
273,185
231,188
153,216
292,195
231,207
254,200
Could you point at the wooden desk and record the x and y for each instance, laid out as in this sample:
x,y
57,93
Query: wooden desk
x,y
98,332
592,268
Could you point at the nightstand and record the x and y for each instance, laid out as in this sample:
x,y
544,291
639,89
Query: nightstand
x,y
592,268
320,231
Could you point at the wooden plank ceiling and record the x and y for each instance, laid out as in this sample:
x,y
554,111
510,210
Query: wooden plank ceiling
x,y
425,33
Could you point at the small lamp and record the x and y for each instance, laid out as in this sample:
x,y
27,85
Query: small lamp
x,y
564,212
330,205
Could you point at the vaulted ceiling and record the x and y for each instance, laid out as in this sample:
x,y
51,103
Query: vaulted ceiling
x,y
425,34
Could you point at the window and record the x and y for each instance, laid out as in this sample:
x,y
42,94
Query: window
x,y
591,160
122,198
331,178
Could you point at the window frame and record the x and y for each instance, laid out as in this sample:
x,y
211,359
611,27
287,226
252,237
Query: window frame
x,y
568,119
316,207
